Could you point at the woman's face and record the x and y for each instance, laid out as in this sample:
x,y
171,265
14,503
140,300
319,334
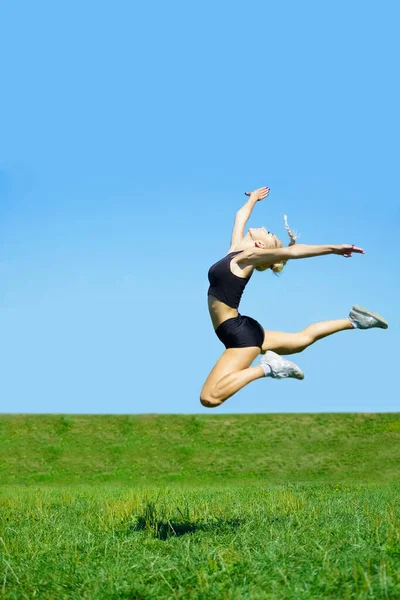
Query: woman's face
x,y
261,234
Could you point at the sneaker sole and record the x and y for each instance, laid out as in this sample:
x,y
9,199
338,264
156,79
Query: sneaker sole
x,y
367,313
298,373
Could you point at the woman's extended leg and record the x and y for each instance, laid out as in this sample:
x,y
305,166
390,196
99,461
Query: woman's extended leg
x,y
231,373
291,343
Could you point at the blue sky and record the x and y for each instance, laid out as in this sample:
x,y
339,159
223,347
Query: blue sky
x,y
129,132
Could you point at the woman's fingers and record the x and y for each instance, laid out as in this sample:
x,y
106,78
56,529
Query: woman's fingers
x,y
260,193
346,250
349,251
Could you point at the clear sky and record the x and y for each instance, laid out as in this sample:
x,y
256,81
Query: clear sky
x,y
129,133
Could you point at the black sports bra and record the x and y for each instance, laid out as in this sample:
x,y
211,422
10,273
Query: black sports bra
x,y
225,285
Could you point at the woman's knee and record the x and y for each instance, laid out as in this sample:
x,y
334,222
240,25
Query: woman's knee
x,y
301,344
209,401
304,340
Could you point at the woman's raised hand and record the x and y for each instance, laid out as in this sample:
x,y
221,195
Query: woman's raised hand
x,y
259,194
346,250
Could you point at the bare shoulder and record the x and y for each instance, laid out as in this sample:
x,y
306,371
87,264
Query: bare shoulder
x,y
244,257
235,249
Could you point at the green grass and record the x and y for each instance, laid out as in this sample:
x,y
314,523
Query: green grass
x,y
200,448
231,507
240,542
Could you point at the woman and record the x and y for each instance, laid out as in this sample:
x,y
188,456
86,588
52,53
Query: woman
x,y
243,337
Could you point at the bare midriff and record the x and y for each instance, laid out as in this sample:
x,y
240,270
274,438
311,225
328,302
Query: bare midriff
x,y
219,311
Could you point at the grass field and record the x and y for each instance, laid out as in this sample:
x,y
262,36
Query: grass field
x,y
256,507
200,448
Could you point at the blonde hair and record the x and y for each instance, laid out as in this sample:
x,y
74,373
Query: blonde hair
x,y
278,267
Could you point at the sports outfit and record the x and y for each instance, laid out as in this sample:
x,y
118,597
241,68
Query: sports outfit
x,y
240,331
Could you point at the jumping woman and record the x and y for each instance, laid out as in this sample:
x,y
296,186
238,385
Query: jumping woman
x,y
243,337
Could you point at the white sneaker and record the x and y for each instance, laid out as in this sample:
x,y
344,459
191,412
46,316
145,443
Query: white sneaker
x,y
365,319
280,367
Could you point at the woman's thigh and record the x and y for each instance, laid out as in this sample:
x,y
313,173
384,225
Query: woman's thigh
x,y
233,359
283,343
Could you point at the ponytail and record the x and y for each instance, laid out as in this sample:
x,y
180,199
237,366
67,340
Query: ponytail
x,y
293,236
278,267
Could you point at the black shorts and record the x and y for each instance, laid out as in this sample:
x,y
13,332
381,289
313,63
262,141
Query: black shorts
x,y
240,332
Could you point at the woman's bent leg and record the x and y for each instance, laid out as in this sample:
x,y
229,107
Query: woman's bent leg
x,y
291,343
230,374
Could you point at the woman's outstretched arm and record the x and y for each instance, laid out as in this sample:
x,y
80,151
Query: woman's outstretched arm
x,y
307,251
243,214
265,258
